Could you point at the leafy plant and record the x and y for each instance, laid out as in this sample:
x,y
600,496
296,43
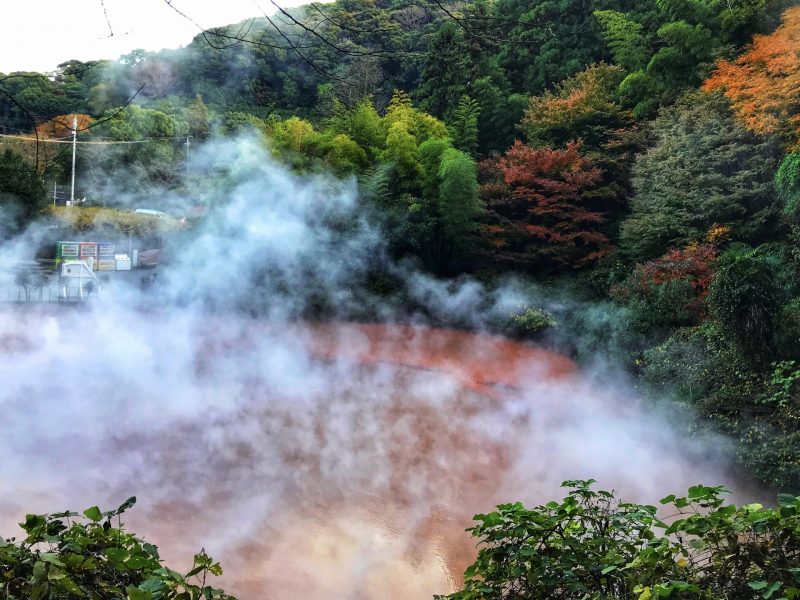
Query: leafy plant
x,y
784,383
533,320
787,182
745,297
594,546
67,555
670,290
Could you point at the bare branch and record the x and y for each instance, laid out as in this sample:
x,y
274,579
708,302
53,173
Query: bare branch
x,y
108,21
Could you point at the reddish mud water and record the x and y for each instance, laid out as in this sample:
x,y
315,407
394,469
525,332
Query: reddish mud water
x,y
325,460
477,361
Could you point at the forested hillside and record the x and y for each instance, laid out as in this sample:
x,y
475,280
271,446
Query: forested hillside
x,y
644,152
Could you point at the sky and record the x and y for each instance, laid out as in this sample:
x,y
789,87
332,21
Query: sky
x,y
40,34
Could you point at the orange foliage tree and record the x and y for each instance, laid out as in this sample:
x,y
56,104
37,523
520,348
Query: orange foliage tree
x,y
61,126
581,107
540,207
692,266
763,84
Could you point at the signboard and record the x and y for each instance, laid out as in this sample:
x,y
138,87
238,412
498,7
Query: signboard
x,y
67,250
105,250
88,250
105,264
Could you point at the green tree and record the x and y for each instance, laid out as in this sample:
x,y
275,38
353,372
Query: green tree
x,y
401,151
625,39
703,169
787,182
549,41
198,118
707,368
459,202
343,154
463,125
156,159
292,135
500,111
745,297
362,124
22,192
430,156
235,122
446,73
687,47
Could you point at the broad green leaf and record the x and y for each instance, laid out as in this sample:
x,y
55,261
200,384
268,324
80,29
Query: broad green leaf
x,y
608,569
127,504
93,514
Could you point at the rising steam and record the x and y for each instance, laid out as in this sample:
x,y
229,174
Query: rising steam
x,y
314,459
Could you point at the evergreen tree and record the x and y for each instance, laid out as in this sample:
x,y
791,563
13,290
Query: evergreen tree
x,y
787,182
22,193
704,169
463,126
550,40
446,73
459,202
198,118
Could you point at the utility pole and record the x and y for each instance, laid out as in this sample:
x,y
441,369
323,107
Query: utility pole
x,y
187,155
55,189
74,147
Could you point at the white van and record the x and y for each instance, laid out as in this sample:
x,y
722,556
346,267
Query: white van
x,y
153,213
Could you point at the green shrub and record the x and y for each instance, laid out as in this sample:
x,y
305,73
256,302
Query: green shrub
x,y
66,556
787,182
787,329
592,546
532,320
713,374
745,296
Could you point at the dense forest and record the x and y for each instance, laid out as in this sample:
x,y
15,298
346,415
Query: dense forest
x,y
643,155
645,152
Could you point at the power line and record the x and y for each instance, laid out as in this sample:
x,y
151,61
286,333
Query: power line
x,y
96,142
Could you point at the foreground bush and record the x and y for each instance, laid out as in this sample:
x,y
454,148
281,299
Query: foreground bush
x,y
594,546
66,556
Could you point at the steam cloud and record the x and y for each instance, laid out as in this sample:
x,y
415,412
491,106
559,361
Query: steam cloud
x,y
315,460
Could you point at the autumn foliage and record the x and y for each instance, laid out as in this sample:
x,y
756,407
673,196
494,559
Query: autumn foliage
x,y
763,84
61,126
581,107
539,203
692,266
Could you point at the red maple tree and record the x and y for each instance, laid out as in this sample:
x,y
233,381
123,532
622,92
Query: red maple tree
x,y
540,207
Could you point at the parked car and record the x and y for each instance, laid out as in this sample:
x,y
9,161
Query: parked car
x,y
152,212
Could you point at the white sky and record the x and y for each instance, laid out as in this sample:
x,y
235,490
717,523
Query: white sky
x,y
37,35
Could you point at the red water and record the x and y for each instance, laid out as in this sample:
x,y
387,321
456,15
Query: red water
x,y
478,361
324,460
